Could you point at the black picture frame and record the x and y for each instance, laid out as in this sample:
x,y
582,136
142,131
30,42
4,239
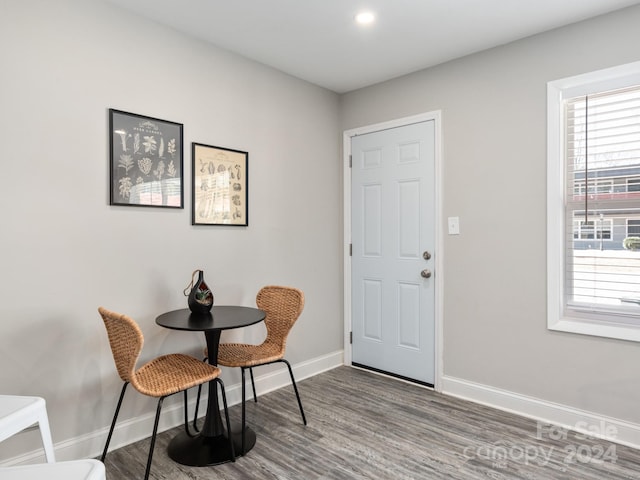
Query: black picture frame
x,y
146,161
220,186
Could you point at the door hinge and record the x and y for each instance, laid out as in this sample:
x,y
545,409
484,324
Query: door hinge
x,y
351,249
350,160
350,337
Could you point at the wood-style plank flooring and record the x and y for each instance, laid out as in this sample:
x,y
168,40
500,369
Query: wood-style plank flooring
x,y
366,426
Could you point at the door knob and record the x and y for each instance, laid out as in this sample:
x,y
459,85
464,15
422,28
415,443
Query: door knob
x,y
426,255
426,273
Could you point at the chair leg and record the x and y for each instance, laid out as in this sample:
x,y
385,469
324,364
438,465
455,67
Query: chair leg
x,y
153,438
195,415
226,415
113,422
295,388
243,424
186,416
45,435
253,385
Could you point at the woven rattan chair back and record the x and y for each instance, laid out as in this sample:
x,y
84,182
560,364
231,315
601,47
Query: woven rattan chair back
x,y
126,341
283,306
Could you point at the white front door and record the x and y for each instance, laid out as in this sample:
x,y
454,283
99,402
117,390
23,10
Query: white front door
x,y
393,241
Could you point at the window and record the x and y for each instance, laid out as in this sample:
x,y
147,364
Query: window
x,y
593,203
594,186
633,184
592,229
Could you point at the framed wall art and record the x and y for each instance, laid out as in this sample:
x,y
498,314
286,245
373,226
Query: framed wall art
x,y
146,161
220,186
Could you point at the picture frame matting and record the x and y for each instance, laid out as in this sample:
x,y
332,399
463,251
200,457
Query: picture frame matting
x,y
219,186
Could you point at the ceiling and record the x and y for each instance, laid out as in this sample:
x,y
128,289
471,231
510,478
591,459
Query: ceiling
x,y
319,41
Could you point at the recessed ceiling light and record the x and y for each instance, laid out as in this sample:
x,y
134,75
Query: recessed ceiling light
x,y
365,18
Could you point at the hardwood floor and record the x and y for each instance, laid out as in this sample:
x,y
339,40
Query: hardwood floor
x,y
365,426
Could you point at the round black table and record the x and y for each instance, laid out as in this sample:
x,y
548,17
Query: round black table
x,y
211,445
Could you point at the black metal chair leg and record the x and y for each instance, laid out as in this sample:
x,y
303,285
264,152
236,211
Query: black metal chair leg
x,y
295,388
113,422
153,438
186,416
195,414
226,415
243,425
253,385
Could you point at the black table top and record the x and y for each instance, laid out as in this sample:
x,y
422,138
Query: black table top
x,y
222,317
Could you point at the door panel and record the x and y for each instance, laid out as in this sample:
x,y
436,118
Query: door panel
x,y
373,314
393,223
408,316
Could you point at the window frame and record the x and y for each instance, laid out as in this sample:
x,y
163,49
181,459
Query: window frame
x,y
560,318
595,186
597,229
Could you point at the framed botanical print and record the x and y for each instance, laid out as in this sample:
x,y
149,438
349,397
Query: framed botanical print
x,y
219,186
145,160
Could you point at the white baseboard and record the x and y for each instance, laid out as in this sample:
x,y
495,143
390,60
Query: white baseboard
x,y
565,417
129,431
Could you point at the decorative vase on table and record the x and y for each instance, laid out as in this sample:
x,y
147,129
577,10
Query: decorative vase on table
x,y
200,298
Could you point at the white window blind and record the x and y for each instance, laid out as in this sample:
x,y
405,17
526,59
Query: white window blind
x,y
601,205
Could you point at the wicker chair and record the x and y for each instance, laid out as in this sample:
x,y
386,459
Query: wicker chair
x,y
159,378
283,306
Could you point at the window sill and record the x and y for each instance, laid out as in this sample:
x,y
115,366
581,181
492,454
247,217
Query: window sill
x,y
584,327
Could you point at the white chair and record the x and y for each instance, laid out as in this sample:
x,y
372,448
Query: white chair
x,y
18,413
73,470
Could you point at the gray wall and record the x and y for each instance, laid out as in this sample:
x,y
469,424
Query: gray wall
x,y
494,153
65,251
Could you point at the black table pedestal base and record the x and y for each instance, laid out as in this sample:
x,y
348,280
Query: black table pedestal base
x,y
201,451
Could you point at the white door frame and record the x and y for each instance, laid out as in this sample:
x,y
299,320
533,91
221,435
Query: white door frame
x,y
438,254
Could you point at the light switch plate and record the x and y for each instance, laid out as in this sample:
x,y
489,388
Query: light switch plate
x,y
454,225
